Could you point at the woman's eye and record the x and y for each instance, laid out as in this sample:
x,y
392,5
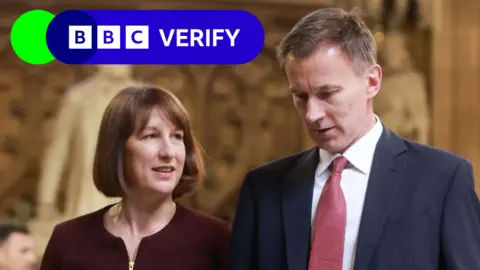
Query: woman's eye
x,y
149,136
179,136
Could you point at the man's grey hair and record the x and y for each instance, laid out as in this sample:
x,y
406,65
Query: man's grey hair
x,y
332,26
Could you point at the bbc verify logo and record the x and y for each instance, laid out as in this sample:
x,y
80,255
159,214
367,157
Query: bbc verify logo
x,y
181,37
108,37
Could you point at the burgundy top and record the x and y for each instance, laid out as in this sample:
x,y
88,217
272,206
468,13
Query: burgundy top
x,y
191,241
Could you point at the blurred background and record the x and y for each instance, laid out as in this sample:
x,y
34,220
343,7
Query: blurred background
x,y
242,115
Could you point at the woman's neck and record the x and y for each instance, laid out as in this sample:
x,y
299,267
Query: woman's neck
x,y
140,218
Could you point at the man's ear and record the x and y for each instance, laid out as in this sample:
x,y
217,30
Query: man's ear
x,y
374,80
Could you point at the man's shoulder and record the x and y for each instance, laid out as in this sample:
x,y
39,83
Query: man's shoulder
x,y
433,154
280,166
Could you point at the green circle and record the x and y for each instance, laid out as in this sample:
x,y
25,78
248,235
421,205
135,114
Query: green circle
x,y
29,37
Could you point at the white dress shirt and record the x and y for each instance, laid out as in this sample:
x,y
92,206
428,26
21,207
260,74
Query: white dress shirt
x,y
354,185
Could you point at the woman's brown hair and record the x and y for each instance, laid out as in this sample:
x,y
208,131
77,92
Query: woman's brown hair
x,y
129,111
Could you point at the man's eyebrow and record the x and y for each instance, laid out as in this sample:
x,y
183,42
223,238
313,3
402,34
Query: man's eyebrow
x,y
327,87
320,88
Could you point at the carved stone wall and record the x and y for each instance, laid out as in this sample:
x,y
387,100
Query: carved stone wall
x,y
29,97
403,102
242,115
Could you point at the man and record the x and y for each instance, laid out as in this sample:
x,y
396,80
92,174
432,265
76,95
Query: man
x,y
364,199
16,248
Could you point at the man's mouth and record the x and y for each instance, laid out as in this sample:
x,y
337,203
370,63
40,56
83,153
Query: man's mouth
x,y
323,130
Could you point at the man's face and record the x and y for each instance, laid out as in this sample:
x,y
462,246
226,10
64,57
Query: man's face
x,y
334,101
18,252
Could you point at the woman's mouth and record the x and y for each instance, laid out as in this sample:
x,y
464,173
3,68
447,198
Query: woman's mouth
x,y
164,172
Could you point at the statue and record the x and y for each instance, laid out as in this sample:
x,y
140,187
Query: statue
x,y
68,160
402,102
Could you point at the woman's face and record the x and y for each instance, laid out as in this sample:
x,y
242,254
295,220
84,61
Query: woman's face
x,y
155,156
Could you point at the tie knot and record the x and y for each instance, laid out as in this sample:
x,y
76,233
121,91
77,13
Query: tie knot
x,y
339,163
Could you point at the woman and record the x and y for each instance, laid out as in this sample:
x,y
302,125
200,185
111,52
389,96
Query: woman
x,y
146,154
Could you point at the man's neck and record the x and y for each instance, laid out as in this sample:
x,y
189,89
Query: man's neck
x,y
369,123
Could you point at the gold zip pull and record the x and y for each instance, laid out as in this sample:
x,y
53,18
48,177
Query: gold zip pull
x,y
130,265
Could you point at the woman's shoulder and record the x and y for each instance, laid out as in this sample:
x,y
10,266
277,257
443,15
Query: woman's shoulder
x,y
201,221
81,225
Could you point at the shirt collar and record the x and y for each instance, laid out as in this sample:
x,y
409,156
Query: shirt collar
x,y
360,154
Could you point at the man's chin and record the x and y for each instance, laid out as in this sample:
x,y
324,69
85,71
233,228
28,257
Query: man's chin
x,y
330,145
329,148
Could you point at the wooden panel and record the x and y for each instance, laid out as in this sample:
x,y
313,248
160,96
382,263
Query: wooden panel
x,y
455,79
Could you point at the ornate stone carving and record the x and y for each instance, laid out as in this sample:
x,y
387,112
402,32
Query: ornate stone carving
x,y
402,101
178,79
250,121
23,101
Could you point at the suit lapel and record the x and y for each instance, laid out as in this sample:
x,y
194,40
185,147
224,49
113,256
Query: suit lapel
x,y
297,207
385,177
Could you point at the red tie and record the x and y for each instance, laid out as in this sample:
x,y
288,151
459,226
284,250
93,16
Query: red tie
x,y
330,223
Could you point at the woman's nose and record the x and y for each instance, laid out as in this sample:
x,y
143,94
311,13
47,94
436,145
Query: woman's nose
x,y
166,150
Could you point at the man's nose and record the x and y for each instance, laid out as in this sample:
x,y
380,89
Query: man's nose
x,y
315,111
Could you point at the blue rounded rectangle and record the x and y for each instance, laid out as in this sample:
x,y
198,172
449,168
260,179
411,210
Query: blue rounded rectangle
x,y
155,37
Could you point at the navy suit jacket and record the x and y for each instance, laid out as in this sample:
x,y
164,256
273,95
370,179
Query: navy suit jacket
x,y
421,212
